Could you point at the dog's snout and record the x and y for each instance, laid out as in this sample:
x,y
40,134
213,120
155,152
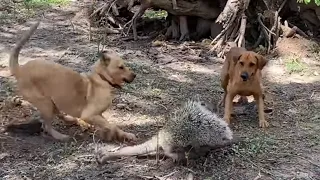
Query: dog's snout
x,y
244,76
130,78
134,75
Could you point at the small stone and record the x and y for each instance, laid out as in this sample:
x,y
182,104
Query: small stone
x,y
128,108
121,106
303,175
145,71
157,43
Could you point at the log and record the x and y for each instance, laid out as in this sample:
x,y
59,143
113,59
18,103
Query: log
x,y
200,8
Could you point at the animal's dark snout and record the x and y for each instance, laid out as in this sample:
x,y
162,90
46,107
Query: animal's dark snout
x,y
244,76
130,79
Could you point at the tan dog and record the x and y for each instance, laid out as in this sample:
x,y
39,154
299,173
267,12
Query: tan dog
x,y
53,88
241,75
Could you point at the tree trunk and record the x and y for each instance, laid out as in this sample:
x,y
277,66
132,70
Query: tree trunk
x,y
200,8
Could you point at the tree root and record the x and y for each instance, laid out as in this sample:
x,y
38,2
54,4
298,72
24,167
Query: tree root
x,y
133,22
174,4
233,20
230,18
257,43
241,42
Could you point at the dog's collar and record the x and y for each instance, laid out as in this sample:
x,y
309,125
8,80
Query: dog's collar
x,y
105,79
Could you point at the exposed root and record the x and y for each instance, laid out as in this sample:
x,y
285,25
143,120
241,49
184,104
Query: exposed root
x,y
273,29
133,22
183,28
234,20
260,19
174,4
263,28
258,42
241,42
99,9
270,35
231,16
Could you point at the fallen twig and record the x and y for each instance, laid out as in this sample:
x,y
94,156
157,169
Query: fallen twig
x,y
166,176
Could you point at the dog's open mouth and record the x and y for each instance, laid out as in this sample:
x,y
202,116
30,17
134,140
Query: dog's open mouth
x,y
127,80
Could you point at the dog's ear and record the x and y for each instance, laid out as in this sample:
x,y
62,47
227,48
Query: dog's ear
x,y
236,58
262,61
104,58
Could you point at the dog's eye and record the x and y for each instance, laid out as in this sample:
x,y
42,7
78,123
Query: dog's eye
x,y
121,67
251,64
241,63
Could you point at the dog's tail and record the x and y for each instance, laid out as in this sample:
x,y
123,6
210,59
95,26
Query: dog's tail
x,y
14,55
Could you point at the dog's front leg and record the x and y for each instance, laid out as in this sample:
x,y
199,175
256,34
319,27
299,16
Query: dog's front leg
x,y
262,122
108,132
228,106
74,121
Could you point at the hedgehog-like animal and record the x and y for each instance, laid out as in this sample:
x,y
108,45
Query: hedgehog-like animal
x,y
193,126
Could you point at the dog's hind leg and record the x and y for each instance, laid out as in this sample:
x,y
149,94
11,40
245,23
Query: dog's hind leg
x,y
47,109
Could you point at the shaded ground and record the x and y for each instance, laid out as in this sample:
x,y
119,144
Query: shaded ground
x,y
167,75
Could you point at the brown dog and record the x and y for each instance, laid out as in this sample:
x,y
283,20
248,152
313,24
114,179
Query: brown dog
x,y
241,75
53,88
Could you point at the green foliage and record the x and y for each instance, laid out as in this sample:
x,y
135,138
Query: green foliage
x,y
44,3
294,65
308,1
155,14
20,12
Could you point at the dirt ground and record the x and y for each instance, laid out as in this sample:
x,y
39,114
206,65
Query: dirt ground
x,y
167,74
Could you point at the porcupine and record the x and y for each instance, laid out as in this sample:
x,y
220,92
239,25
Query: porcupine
x,y
193,126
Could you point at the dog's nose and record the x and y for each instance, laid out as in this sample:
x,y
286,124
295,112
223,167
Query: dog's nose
x,y
244,76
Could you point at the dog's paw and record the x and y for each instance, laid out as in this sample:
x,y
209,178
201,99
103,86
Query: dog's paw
x,y
227,119
263,124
